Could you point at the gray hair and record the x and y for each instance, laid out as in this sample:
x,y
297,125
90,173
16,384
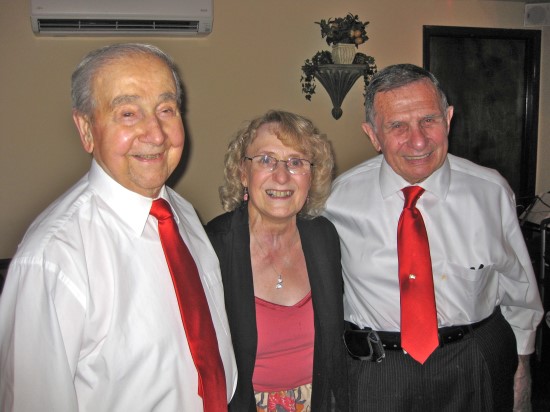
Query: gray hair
x,y
83,76
396,76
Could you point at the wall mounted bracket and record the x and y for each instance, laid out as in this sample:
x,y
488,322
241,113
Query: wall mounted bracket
x,y
338,79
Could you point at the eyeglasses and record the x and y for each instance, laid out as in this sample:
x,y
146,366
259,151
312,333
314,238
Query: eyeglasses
x,y
294,165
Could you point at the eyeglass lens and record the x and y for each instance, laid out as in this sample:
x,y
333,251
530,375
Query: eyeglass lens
x,y
293,165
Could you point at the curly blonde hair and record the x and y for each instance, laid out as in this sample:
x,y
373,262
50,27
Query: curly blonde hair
x,y
294,131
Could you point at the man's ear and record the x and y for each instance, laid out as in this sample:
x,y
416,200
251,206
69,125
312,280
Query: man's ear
x,y
84,126
369,131
449,116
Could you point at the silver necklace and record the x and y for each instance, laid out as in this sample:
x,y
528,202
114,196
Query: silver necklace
x,y
279,284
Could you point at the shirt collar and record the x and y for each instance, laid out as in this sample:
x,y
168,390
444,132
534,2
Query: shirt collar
x,y
130,207
437,183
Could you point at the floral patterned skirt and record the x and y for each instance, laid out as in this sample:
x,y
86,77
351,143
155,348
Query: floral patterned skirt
x,y
292,400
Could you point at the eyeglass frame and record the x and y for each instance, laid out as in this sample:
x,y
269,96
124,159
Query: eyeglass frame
x,y
283,161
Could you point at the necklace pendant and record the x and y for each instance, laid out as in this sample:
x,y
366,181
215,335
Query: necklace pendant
x,y
279,284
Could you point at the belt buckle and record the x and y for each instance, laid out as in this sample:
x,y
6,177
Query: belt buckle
x,y
357,341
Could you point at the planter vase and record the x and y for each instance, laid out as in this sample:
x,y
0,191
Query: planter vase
x,y
343,53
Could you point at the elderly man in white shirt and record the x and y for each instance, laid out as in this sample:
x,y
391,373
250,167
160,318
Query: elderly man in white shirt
x,y
89,317
486,297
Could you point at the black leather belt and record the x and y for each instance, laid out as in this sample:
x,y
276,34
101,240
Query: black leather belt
x,y
359,342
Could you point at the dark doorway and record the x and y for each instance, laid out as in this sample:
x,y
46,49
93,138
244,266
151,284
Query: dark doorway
x,y
491,77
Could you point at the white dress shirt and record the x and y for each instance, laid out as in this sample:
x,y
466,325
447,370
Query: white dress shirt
x,y
89,319
478,253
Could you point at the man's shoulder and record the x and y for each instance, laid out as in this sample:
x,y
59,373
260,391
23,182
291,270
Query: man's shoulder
x,y
359,172
58,220
178,202
481,174
189,219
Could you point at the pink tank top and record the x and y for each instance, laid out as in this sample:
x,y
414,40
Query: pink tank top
x,y
284,358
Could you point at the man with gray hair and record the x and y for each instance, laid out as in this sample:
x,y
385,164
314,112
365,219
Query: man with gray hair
x,y
94,314
435,266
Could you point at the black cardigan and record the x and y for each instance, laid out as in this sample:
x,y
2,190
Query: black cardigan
x,y
229,234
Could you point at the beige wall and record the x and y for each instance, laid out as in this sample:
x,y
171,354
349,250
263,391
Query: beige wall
x,y
250,63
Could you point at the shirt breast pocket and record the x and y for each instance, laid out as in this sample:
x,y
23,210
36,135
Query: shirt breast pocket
x,y
465,283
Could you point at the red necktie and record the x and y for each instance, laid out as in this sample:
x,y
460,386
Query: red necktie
x,y
418,314
194,310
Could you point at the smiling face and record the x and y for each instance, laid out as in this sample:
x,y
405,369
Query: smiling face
x,y
275,196
411,130
136,132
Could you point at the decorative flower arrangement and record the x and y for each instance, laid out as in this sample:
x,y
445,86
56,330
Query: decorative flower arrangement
x,y
344,30
348,30
309,68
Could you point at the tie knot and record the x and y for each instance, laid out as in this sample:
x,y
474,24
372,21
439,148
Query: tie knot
x,y
412,194
161,209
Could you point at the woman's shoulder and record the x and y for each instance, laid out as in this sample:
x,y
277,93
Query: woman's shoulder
x,y
319,225
220,223
226,222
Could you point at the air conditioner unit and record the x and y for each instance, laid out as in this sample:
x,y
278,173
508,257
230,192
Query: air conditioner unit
x,y
121,17
537,14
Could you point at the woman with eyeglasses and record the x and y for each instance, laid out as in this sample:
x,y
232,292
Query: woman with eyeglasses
x,y
280,264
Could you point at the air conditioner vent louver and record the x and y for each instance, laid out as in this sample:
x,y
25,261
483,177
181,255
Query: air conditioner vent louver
x,y
122,26
168,18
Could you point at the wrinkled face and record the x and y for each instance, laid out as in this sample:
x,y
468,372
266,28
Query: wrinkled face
x,y
277,196
411,130
136,134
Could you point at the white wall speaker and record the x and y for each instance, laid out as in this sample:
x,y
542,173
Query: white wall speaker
x,y
537,14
